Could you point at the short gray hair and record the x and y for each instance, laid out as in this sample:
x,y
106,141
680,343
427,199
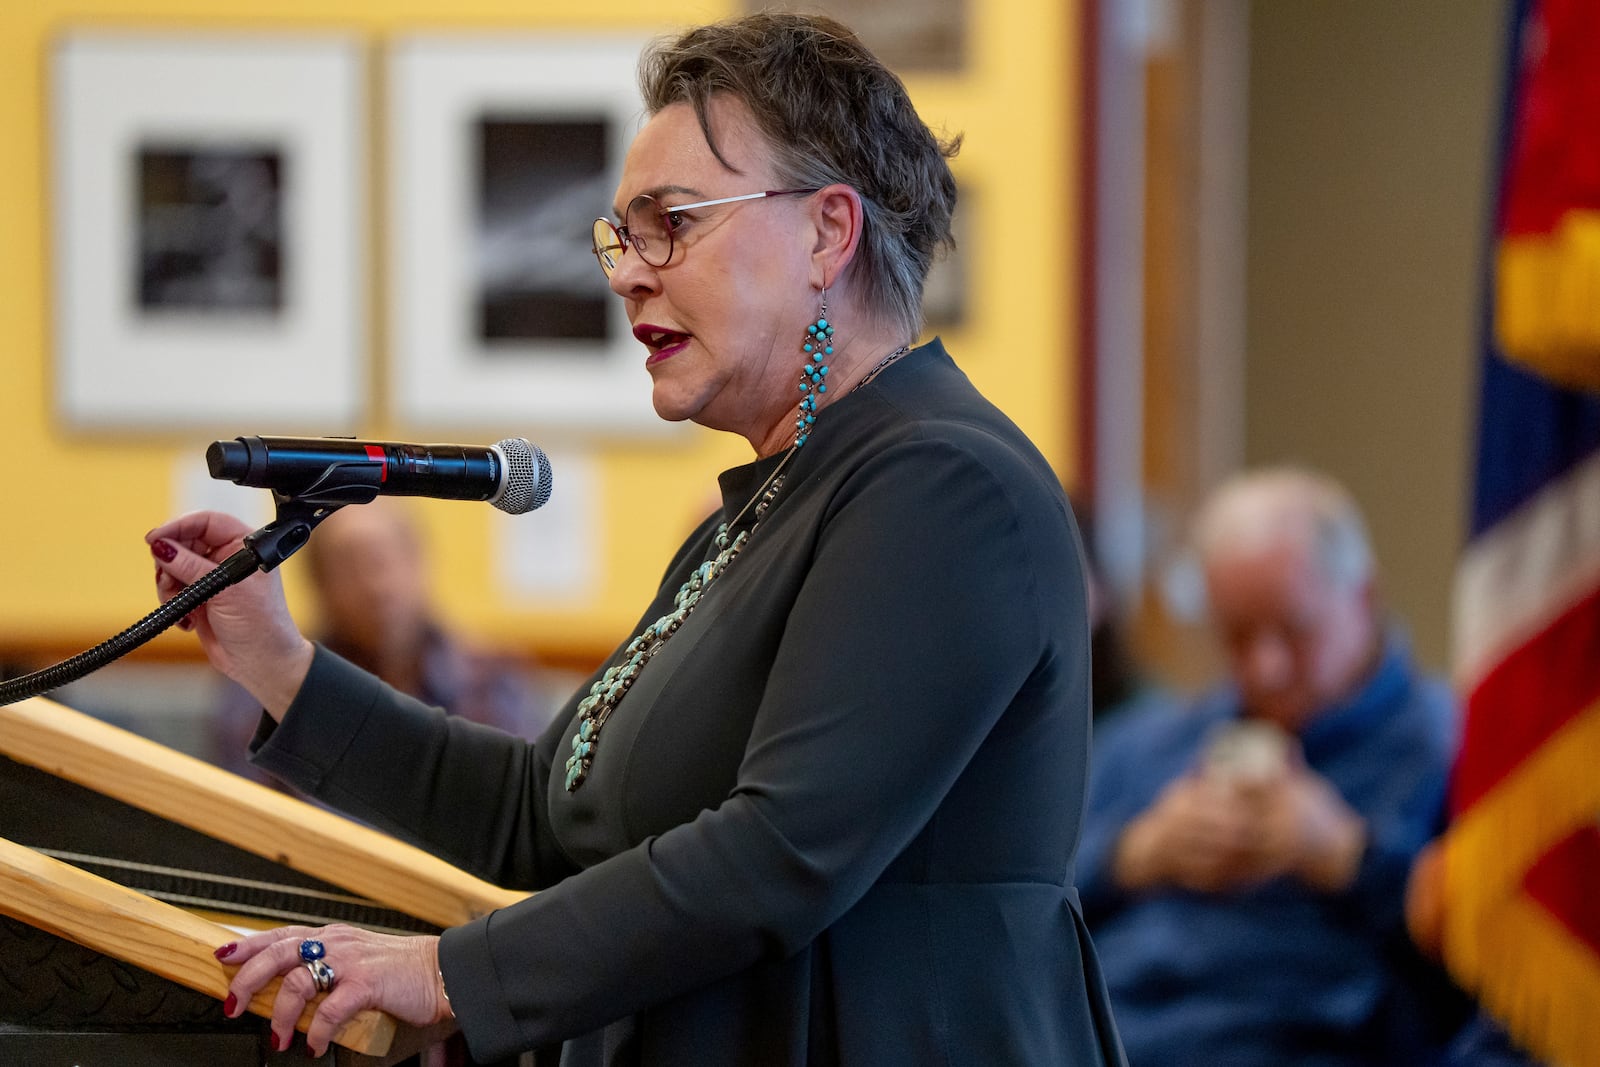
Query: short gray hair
x,y
832,112
1266,506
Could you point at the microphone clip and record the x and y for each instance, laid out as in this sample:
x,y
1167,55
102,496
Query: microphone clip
x,y
289,531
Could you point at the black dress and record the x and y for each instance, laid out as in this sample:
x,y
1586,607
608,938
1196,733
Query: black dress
x,y
834,819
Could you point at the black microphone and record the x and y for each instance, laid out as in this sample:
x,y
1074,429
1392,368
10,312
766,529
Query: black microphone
x,y
513,475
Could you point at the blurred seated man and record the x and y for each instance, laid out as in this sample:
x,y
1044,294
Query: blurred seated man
x,y
367,576
1244,858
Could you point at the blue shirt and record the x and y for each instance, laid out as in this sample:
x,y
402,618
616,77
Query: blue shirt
x,y
1277,973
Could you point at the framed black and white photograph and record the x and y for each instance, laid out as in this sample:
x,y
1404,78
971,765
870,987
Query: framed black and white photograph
x,y
209,231
209,220
503,152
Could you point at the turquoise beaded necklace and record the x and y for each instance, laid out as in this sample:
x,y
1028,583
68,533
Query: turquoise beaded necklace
x,y
607,693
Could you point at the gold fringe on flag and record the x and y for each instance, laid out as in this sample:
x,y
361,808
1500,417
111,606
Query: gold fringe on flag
x,y
1529,970
1542,987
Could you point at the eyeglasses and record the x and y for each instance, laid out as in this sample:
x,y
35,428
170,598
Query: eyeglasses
x,y
648,227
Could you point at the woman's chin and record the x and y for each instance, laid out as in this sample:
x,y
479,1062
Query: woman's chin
x,y
671,405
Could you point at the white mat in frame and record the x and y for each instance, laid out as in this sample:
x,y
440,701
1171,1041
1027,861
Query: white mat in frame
x,y
209,230
502,151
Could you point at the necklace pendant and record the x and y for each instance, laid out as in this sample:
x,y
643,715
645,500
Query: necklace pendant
x,y
576,773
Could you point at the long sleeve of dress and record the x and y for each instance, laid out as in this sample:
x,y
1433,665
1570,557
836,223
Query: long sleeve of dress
x,y
439,781
469,794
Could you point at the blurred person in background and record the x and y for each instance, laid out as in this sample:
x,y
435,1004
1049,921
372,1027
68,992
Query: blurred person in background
x,y
1245,858
821,805
369,585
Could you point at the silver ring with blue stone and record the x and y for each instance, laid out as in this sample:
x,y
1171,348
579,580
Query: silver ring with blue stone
x,y
322,975
312,950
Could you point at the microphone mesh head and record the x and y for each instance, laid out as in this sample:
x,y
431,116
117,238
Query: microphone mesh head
x,y
526,483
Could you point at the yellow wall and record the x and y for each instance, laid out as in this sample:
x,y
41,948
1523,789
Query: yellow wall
x,y
74,506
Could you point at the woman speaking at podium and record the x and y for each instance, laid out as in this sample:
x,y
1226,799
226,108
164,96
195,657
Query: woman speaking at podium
x,y
821,807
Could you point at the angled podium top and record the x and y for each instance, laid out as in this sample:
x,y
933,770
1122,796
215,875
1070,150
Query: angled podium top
x,y
176,944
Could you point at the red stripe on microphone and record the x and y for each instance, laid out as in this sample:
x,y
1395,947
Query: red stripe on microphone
x,y
375,453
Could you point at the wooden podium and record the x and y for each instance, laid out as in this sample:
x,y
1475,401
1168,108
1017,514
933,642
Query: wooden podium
x,y
120,861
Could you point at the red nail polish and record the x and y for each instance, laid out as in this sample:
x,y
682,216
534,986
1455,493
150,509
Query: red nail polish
x,y
164,551
226,950
272,1039
309,1054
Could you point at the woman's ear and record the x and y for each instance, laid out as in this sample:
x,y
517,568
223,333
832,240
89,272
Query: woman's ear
x,y
838,216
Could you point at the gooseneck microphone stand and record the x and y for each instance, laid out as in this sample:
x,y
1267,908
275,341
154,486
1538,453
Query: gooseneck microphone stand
x,y
263,550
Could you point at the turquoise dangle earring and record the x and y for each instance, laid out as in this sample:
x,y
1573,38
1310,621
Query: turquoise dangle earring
x,y
817,347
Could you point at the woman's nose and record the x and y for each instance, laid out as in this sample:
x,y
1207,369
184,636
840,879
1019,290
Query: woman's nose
x,y
633,277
